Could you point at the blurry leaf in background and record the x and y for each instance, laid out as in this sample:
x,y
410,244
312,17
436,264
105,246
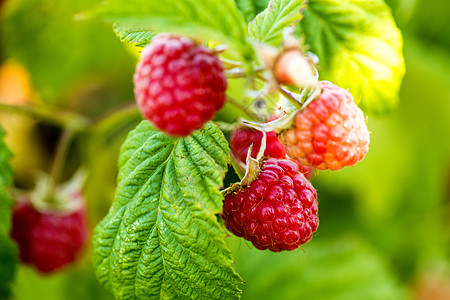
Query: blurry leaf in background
x,y
191,18
64,56
401,193
73,283
339,268
7,248
250,8
21,132
8,264
359,48
428,20
105,138
5,183
247,9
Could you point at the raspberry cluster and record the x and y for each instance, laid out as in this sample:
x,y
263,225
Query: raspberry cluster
x,y
179,85
48,240
277,211
330,133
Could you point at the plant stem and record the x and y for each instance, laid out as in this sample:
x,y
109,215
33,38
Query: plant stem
x,y
60,118
230,62
115,119
224,126
242,108
290,96
235,73
60,156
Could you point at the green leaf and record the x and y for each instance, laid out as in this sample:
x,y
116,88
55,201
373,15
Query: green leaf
x,y
268,26
138,36
64,56
218,21
161,238
5,181
8,262
359,48
7,248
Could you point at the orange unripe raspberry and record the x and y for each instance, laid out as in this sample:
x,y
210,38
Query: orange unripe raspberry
x,y
330,133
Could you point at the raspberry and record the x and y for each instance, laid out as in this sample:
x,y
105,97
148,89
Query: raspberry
x,y
241,139
308,171
277,211
48,240
330,132
293,68
179,85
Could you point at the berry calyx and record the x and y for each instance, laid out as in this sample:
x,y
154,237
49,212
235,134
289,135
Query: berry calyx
x,y
276,211
242,138
330,132
178,85
48,240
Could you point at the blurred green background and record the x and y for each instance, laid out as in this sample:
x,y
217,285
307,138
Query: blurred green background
x,y
384,224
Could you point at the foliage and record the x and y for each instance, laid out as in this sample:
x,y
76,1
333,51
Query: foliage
x,y
329,266
160,238
7,248
359,48
61,53
394,202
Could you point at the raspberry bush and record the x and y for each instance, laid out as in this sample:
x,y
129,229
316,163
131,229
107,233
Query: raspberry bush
x,y
207,86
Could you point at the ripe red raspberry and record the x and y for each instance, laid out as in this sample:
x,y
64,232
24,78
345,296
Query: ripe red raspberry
x,y
330,132
308,171
241,139
48,240
277,211
179,85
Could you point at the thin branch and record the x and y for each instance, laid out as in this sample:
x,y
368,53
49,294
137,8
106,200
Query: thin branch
x,y
290,96
65,119
242,108
60,155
